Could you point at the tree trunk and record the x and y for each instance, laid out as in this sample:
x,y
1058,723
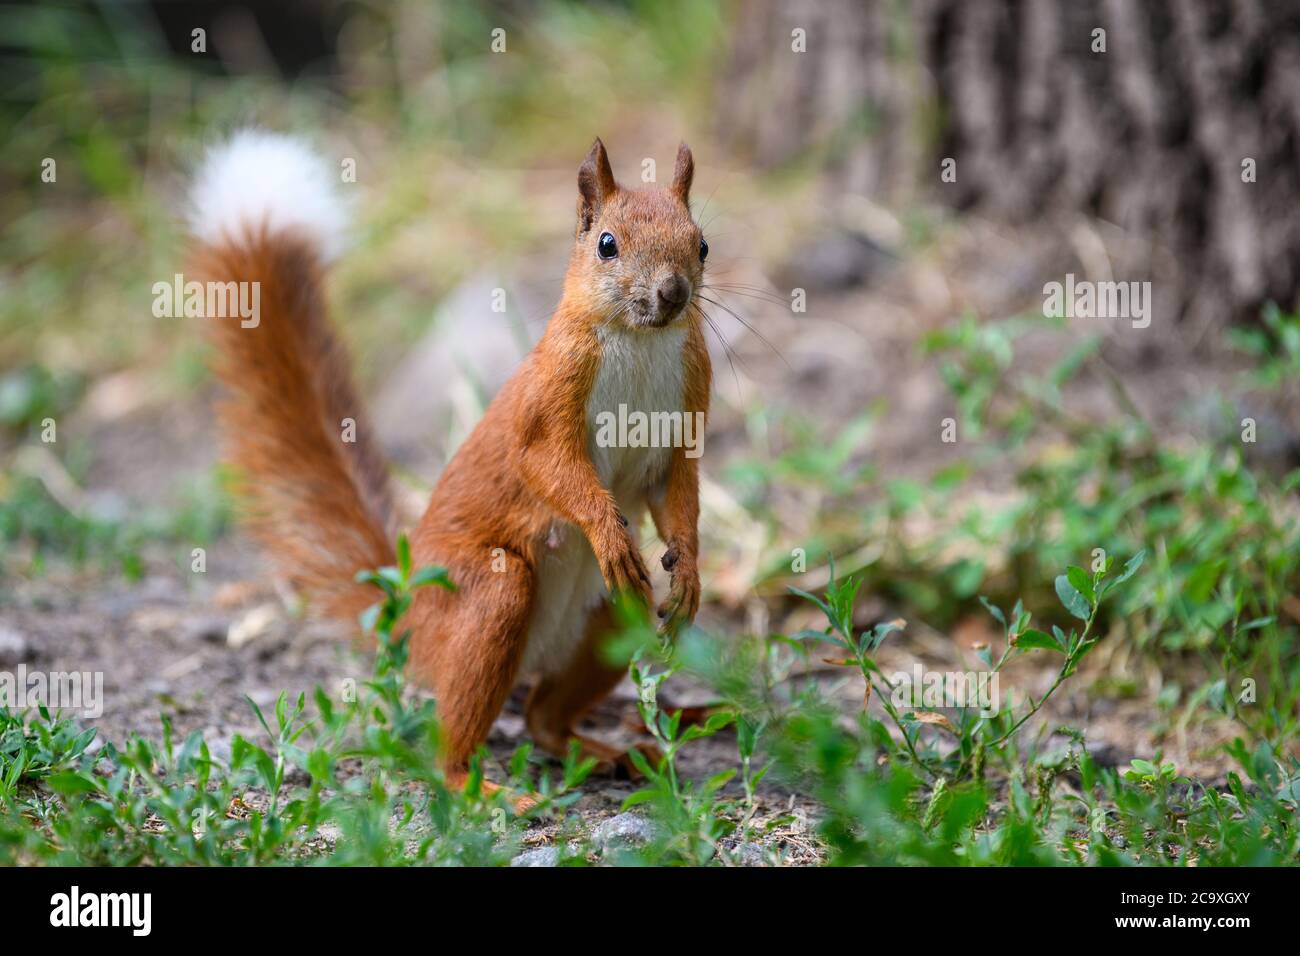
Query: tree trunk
x,y
1150,135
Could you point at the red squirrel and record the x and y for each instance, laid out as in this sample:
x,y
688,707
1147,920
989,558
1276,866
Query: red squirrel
x,y
534,519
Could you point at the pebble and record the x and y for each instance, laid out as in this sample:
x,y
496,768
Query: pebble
x,y
539,856
626,829
212,630
749,854
14,648
256,624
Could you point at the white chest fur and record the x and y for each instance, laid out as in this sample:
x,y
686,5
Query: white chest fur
x,y
642,372
641,376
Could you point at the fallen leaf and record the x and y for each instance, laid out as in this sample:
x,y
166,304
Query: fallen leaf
x,y
935,719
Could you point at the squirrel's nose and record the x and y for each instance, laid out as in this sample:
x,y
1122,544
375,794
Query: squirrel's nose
x,y
673,291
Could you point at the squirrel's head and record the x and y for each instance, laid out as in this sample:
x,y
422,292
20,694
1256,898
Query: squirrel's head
x,y
638,253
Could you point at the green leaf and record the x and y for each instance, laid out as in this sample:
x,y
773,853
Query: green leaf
x,y
260,719
994,610
1074,602
432,574
640,796
641,763
404,555
719,780
1034,638
711,726
825,608
1130,568
265,769
1082,582
71,784
1200,583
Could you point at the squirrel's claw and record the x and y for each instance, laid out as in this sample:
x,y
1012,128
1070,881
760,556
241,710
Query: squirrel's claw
x,y
627,573
683,601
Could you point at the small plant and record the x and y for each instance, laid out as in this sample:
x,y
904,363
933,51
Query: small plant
x,y
976,735
1151,774
692,815
903,796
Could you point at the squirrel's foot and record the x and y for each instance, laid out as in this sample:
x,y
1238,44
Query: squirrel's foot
x,y
523,802
617,762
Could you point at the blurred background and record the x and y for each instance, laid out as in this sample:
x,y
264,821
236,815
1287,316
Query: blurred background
x,y
886,189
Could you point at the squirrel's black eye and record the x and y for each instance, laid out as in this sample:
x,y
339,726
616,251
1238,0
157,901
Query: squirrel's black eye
x,y
704,250
606,248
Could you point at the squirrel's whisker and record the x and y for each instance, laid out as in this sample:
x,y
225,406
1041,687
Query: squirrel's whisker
x,y
727,350
732,312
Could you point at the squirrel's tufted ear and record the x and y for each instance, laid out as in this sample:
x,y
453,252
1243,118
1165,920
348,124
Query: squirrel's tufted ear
x,y
595,185
683,173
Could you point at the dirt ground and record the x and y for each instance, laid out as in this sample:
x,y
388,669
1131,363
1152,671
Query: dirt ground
x,y
194,646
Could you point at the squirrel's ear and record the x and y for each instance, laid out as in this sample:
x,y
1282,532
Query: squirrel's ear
x,y
684,172
595,184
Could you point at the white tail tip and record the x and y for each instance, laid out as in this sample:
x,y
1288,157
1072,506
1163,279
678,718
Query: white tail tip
x,y
266,180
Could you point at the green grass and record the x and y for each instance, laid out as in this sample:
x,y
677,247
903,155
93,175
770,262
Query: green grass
x,y
1209,553
358,781
1216,604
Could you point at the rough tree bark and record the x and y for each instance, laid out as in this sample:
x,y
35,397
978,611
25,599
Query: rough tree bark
x,y
1150,135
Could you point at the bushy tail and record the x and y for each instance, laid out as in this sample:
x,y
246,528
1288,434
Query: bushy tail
x,y
313,482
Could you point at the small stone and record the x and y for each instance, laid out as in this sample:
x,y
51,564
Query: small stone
x,y
211,630
626,829
256,624
540,856
750,854
1103,754
14,648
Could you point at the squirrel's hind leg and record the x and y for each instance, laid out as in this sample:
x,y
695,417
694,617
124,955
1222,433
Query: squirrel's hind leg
x,y
560,700
466,646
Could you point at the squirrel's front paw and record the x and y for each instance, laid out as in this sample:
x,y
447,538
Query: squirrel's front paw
x,y
683,599
623,569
